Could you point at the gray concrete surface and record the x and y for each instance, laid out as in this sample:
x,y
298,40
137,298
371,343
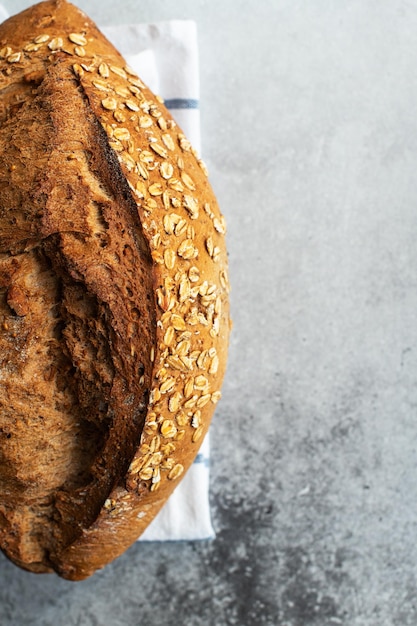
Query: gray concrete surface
x,y
309,114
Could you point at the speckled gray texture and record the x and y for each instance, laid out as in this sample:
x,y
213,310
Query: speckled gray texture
x,y
309,118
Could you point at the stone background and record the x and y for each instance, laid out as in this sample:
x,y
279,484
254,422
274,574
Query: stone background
x,y
309,120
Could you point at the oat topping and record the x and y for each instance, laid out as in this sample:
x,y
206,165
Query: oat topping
x,y
103,70
15,57
109,103
56,43
119,71
78,39
176,471
167,170
5,52
41,38
131,105
79,51
31,47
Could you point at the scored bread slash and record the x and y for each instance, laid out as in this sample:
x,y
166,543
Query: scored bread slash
x,y
114,324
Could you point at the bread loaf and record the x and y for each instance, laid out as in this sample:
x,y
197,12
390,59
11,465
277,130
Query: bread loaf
x,y
114,316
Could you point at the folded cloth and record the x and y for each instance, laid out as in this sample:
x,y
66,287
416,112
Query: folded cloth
x,y
165,56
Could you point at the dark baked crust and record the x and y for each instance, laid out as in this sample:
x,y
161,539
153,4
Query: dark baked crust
x,y
113,297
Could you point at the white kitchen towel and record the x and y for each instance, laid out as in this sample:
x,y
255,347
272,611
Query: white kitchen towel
x,y
165,56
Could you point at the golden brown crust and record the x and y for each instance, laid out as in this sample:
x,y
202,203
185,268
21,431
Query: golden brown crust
x,y
101,168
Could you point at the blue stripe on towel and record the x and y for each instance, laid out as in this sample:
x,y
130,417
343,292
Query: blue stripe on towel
x,y
203,459
181,103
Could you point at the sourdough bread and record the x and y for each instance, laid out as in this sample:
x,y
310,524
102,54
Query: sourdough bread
x,y
114,316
